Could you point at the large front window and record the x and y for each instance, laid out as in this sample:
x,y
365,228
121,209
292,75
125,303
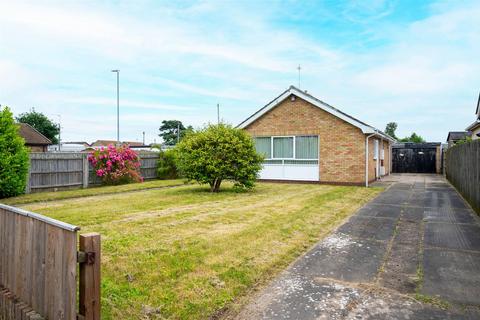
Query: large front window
x,y
288,147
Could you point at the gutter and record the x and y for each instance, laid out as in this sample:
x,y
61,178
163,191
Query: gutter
x,y
366,158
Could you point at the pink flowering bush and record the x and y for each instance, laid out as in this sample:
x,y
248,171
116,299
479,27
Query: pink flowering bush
x,y
116,165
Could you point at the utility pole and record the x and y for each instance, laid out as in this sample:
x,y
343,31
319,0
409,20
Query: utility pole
x,y
59,132
299,68
218,113
143,138
118,105
178,132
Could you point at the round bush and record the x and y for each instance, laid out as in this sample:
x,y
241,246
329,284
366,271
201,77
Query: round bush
x,y
217,153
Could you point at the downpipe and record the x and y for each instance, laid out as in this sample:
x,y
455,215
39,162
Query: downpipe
x,y
366,158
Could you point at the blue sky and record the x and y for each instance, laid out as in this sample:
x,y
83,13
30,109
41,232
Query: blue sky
x,y
413,62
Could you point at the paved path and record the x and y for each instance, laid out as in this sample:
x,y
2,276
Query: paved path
x,y
418,239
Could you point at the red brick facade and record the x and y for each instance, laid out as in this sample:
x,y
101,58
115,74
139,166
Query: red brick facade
x,y
341,144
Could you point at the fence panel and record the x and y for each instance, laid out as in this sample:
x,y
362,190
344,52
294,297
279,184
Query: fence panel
x,y
462,166
38,264
149,165
51,171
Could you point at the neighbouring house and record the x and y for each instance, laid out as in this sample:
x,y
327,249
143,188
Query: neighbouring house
x,y
455,136
69,147
135,145
475,126
36,141
306,139
105,143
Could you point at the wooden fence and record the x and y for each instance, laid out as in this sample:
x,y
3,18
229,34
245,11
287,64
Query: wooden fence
x,y
38,268
50,171
462,167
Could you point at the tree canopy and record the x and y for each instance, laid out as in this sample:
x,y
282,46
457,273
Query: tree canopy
x,y
413,138
169,131
14,160
390,129
216,153
42,123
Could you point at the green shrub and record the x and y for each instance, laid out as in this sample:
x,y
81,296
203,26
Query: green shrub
x,y
167,168
14,159
217,153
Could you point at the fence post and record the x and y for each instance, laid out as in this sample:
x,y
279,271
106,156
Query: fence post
x,y
85,170
29,175
89,258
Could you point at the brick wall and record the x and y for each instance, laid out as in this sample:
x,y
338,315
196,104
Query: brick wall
x,y
342,145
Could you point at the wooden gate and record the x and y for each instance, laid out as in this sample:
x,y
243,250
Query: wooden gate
x,y
38,268
414,157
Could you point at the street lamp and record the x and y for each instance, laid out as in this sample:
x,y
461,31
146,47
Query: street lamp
x,y
118,105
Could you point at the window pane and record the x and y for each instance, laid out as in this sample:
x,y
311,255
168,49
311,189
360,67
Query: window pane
x,y
262,144
283,147
306,147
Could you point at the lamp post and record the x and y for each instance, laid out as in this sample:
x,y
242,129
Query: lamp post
x,y
118,105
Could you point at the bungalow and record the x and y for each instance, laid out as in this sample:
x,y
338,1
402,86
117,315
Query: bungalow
x,y
36,141
306,139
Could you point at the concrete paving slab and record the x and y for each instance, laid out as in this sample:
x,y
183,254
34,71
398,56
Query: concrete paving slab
x,y
401,186
369,227
452,275
452,236
383,211
452,215
396,197
408,233
343,258
414,214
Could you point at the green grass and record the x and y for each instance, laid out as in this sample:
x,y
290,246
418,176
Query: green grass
x,y
185,253
76,193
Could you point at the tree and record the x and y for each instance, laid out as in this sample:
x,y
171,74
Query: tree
x,y
14,160
169,131
216,153
413,138
390,129
40,122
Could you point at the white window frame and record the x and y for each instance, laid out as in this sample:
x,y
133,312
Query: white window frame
x,y
294,146
271,146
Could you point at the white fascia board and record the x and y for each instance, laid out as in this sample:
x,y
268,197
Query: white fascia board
x,y
264,110
473,125
300,94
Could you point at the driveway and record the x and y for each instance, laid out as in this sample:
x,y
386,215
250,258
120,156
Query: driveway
x,y
411,253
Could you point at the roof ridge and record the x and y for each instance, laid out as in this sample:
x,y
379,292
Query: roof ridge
x,y
36,131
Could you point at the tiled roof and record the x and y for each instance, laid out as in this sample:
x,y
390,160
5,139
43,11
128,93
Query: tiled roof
x,y
32,136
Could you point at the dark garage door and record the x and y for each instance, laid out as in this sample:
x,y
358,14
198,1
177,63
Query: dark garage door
x,y
414,158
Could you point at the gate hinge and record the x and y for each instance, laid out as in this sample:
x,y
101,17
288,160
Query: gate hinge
x,y
86,257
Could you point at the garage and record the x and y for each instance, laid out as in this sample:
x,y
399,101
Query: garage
x,y
416,157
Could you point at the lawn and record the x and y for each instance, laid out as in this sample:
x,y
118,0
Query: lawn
x,y
49,196
184,253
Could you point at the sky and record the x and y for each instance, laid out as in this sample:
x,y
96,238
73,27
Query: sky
x,y
413,62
